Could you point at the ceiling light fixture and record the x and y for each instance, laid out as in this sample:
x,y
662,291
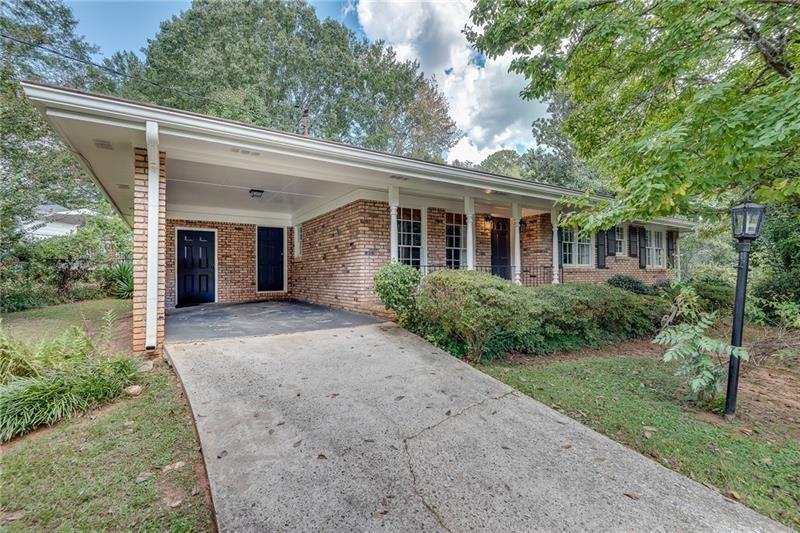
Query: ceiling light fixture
x,y
256,193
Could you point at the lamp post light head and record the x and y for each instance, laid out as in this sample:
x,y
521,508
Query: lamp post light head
x,y
747,219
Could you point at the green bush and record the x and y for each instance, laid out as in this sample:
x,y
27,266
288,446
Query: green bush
x,y
477,315
396,285
20,360
119,280
715,293
781,286
629,284
29,402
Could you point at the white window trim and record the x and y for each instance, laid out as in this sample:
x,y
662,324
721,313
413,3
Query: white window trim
x,y
592,255
297,241
423,231
463,261
663,232
624,250
285,261
216,256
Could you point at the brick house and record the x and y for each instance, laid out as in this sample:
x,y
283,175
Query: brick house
x,y
228,212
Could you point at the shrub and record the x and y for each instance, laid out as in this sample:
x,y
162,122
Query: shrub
x,y
629,284
396,285
29,402
778,287
479,316
715,293
702,359
119,280
20,360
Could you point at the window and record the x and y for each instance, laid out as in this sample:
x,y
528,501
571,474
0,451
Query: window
x,y
409,236
455,240
654,248
619,236
575,250
298,240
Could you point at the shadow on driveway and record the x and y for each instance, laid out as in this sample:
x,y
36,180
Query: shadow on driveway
x,y
219,321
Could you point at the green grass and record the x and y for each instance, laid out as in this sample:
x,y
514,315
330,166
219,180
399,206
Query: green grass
x,y
46,323
619,396
81,475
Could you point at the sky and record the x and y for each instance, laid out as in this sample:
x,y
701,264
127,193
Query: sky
x,y
484,97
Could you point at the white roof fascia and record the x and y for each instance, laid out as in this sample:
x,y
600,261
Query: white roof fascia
x,y
184,124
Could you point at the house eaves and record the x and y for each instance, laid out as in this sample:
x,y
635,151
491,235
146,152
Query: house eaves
x,y
185,124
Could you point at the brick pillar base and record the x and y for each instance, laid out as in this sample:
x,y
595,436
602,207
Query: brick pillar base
x,y
140,249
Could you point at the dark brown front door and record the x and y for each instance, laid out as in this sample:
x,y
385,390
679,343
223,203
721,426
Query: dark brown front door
x,y
195,267
501,248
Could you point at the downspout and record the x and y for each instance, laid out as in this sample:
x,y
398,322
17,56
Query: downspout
x,y
153,187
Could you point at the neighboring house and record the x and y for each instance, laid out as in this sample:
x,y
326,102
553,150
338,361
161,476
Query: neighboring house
x,y
227,212
53,220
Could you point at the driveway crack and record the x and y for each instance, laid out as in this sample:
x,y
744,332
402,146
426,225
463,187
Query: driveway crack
x,y
414,487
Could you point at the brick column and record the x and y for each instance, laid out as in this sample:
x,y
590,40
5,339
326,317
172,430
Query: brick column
x,y
140,248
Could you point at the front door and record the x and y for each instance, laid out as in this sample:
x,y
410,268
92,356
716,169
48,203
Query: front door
x,y
270,259
196,254
501,248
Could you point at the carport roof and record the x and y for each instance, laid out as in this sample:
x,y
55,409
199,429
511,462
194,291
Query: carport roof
x,y
103,130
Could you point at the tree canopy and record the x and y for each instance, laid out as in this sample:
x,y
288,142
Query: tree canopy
x,y
682,105
265,61
36,167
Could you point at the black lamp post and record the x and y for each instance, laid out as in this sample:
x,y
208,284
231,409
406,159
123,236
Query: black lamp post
x,y
747,219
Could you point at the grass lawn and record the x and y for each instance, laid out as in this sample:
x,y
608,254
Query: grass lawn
x,y
134,464
48,322
637,401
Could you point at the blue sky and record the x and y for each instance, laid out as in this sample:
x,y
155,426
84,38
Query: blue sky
x,y
483,96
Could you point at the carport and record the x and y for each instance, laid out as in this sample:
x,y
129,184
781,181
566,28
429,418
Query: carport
x,y
220,321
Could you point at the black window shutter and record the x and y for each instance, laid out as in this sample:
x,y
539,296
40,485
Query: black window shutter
x,y
633,241
642,251
600,243
671,249
560,247
611,239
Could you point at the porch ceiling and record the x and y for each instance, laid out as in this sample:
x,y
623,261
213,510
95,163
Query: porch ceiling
x,y
203,188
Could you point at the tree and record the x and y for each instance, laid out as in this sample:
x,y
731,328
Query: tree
x,y
554,160
504,163
36,167
265,61
681,103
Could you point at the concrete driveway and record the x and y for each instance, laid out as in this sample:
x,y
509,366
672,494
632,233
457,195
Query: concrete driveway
x,y
369,428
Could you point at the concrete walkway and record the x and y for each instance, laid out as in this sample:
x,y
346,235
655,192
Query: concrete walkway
x,y
370,428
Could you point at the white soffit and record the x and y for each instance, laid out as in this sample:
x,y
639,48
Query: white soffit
x,y
82,119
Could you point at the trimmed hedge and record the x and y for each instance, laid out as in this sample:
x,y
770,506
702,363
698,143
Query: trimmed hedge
x,y
715,293
629,284
477,315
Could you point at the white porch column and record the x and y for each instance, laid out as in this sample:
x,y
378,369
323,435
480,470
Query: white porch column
x,y
394,202
469,212
556,251
516,215
153,172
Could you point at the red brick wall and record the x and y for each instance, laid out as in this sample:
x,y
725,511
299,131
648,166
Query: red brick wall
x,y
437,255
341,251
236,262
617,265
536,241
483,242
140,249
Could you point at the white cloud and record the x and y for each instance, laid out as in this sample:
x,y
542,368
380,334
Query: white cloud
x,y
484,100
